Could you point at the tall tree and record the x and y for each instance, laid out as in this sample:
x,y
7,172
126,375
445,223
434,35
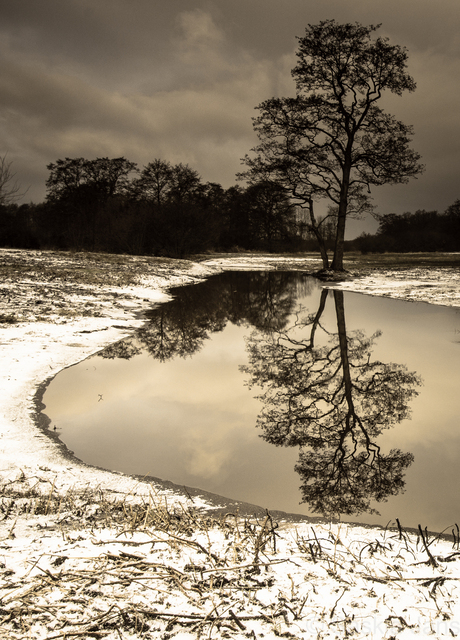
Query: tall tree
x,y
181,209
332,140
162,183
271,216
109,176
154,182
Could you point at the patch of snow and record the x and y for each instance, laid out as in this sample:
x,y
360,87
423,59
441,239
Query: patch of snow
x,y
253,262
436,285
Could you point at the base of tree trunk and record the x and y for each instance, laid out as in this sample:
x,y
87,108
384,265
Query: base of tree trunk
x,y
331,275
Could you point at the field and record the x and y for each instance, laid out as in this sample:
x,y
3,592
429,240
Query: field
x,y
91,553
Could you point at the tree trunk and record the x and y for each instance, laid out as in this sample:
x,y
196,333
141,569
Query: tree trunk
x,y
337,261
318,236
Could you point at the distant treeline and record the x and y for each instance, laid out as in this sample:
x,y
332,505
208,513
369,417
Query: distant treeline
x,y
164,209
412,232
109,204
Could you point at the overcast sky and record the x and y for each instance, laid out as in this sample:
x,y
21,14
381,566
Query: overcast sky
x,y
179,80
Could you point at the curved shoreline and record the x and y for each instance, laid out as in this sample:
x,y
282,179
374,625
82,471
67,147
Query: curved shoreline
x,y
213,502
35,351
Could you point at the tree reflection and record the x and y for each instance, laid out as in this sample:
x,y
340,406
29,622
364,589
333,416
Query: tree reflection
x,y
320,388
323,393
180,327
124,349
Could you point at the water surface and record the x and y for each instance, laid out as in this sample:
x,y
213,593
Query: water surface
x,y
263,387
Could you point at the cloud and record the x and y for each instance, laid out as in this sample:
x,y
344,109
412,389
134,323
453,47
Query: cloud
x,y
199,34
206,122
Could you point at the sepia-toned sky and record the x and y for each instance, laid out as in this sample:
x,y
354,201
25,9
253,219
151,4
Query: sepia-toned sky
x,y
179,80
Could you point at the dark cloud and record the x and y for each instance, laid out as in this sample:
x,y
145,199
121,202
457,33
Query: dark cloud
x,y
180,80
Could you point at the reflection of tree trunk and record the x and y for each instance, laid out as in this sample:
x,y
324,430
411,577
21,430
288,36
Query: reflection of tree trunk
x,y
342,332
332,401
352,419
319,313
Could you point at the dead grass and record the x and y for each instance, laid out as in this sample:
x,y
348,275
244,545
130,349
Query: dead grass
x,y
8,318
84,269
55,286
370,262
130,567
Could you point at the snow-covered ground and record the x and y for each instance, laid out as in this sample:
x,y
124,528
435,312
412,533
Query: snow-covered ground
x,y
90,553
439,285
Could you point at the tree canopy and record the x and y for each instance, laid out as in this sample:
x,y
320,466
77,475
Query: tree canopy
x,y
107,176
332,141
109,204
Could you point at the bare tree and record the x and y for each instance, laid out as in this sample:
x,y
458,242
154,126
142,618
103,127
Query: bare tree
x,y
331,140
10,189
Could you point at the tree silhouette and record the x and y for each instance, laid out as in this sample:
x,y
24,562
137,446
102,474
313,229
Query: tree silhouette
x,y
79,195
331,141
10,189
324,393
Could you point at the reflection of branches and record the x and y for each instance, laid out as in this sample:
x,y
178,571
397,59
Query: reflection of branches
x,y
334,400
172,332
124,349
180,327
346,485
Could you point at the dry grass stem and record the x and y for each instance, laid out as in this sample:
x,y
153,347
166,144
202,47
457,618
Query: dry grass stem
x,y
196,573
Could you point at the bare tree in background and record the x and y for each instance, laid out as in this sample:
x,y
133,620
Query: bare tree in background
x,y
10,189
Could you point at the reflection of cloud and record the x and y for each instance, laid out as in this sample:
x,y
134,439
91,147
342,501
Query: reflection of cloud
x,y
200,389
195,410
207,454
207,464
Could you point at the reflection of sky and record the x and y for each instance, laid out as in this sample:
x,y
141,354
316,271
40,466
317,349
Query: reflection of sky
x,y
192,421
426,339
188,420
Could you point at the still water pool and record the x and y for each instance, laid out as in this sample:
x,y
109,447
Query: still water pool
x,y
266,388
